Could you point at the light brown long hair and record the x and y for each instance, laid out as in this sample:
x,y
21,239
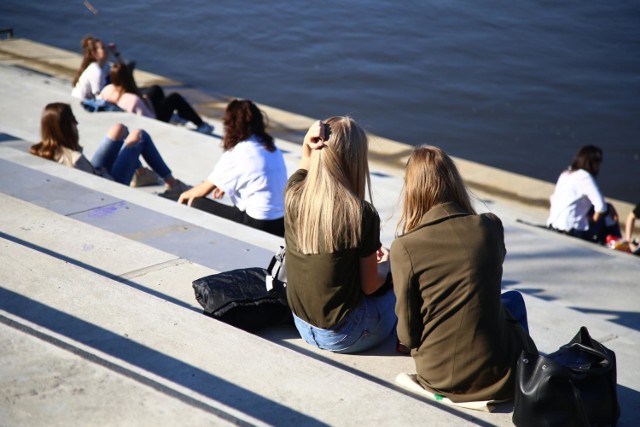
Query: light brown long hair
x,y
326,208
242,118
89,47
56,130
431,178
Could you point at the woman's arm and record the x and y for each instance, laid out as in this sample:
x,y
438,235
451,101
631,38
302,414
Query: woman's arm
x,y
313,140
200,190
628,231
374,270
589,188
408,301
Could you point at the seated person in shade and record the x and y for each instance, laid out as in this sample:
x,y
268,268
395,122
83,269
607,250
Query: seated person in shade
x,y
578,207
465,337
116,159
251,171
337,270
630,225
124,92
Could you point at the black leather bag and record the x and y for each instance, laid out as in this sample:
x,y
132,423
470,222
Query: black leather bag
x,y
574,386
241,298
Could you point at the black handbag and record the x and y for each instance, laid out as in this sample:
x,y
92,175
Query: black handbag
x,y
241,298
574,386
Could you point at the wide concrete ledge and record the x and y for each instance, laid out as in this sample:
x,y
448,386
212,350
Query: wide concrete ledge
x,y
93,305
126,313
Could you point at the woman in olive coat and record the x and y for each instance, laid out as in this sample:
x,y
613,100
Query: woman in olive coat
x,y
447,272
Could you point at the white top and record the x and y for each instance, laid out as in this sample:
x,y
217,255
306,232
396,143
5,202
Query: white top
x,y
91,81
254,179
571,200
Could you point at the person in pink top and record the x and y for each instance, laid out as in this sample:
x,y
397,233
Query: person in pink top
x,y
124,92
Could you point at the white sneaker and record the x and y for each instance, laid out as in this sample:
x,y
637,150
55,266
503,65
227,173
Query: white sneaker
x,y
205,128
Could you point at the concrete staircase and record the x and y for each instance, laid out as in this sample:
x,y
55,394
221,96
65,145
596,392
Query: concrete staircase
x,y
99,324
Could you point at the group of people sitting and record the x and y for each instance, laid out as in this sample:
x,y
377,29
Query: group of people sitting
x,y
438,287
98,78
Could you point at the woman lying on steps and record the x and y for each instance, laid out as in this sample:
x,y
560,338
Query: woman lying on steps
x,y
117,158
124,92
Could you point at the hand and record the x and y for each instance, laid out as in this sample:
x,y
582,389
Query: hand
x,y
384,266
382,254
217,193
315,136
200,190
187,196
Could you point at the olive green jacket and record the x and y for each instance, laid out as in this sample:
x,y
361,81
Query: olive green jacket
x,y
447,275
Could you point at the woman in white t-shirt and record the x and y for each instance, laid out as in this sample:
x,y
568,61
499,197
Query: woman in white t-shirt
x,y
92,74
251,171
578,207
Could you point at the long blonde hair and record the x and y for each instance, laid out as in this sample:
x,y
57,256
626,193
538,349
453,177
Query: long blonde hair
x,y
326,208
431,178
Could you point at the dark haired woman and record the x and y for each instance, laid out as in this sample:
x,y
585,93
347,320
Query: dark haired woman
x,y
578,207
251,171
117,158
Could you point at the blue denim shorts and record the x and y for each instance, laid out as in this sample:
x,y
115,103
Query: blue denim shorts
x,y
364,327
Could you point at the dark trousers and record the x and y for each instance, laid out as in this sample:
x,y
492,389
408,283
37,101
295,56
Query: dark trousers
x,y
275,226
164,106
599,230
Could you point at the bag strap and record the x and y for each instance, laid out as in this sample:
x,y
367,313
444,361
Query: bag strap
x,y
273,270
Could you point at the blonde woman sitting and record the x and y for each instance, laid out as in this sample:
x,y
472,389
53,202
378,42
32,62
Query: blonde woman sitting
x,y
336,268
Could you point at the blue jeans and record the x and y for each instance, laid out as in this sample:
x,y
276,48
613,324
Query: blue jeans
x,y
514,303
364,327
121,161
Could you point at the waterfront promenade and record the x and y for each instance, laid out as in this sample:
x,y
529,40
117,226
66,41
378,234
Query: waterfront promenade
x,y
99,324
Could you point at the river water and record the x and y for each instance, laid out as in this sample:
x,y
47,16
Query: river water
x,y
519,85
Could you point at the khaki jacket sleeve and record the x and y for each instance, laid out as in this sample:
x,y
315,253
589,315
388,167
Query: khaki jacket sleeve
x,y
408,300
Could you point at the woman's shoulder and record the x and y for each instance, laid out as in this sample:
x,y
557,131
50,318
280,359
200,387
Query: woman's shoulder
x,y
71,158
368,209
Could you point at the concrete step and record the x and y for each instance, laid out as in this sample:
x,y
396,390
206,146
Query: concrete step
x,y
131,248
108,248
88,342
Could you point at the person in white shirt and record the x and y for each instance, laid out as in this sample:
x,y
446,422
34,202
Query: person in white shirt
x,y
94,69
251,171
578,208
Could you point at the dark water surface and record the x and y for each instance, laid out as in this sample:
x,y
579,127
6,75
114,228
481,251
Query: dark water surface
x,y
517,85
